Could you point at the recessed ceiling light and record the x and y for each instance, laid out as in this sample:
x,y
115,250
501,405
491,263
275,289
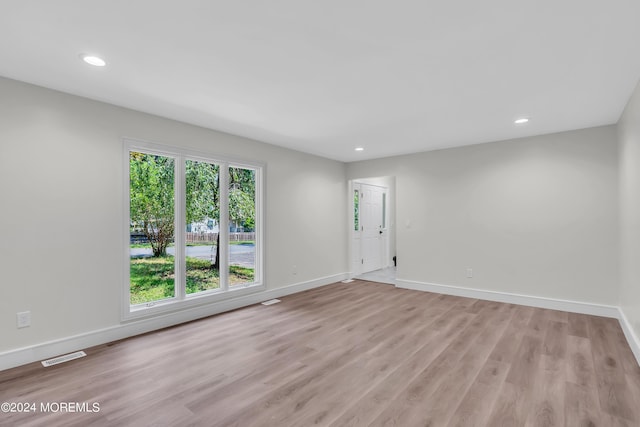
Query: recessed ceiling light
x,y
521,121
93,60
359,149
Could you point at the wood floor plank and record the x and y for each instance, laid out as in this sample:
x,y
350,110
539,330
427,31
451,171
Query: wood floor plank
x,y
514,399
547,403
511,406
355,354
628,361
614,394
557,315
581,406
524,364
555,340
509,343
475,407
537,325
578,325
579,366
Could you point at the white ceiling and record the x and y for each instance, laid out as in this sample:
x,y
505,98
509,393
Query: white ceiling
x,y
326,76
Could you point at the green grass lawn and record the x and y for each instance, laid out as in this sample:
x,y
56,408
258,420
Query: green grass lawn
x,y
152,279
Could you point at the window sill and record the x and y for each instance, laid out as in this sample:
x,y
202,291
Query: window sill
x,y
173,305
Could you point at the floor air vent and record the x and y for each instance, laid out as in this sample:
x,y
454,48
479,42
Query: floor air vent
x,y
271,301
347,281
62,359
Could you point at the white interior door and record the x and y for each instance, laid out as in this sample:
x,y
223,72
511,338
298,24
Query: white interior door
x,y
371,214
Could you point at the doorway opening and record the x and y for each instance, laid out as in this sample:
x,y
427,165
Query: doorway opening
x,y
372,219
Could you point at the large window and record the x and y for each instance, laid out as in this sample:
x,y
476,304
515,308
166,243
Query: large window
x,y
193,230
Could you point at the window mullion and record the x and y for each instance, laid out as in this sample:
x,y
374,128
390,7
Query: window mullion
x,y
224,226
258,228
179,227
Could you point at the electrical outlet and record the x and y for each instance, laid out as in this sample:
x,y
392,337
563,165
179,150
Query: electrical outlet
x,y
469,273
294,270
23,319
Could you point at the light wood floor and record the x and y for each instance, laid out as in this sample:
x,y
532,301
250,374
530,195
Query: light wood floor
x,y
355,354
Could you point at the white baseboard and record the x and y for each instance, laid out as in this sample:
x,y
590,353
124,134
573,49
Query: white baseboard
x,y
540,302
21,356
632,338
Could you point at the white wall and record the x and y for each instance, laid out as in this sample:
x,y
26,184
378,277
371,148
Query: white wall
x,y
629,138
534,216
61,189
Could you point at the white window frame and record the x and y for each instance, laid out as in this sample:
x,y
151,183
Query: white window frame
x,y
181,300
